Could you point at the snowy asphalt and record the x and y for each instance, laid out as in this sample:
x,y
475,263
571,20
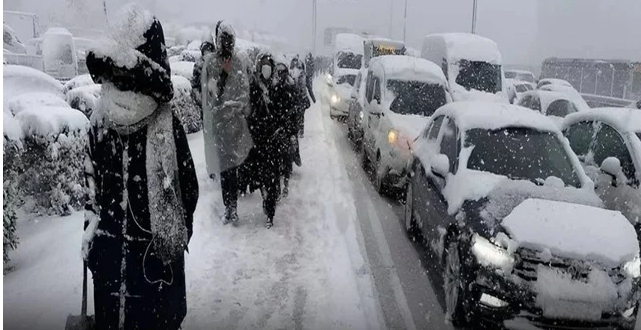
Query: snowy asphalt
x,y
408,286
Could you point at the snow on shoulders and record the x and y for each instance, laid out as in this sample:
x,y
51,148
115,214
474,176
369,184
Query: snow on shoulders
x,y
182,68
622,119
34,100
51,120
489,115
409,68
605,236
10,127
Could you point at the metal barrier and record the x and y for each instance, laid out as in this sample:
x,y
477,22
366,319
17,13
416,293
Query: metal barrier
x,y
32,61
598,101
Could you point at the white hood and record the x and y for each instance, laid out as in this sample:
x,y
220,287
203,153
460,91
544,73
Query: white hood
x,y
459,93
573,231
410,125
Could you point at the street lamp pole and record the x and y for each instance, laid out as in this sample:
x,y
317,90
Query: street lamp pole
x,y
405,24
474,18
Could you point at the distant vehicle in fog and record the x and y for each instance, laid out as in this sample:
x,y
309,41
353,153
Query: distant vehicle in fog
x,y
59,55
471,63
553,104
348,52
521,75
375,47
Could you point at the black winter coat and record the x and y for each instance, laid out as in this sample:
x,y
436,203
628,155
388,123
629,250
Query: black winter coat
x,y
126,273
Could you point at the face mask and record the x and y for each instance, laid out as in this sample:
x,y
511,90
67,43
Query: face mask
x,y
266,71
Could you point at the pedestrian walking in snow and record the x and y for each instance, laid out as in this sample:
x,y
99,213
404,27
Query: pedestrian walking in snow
x,y
226,106
268,124
304,93
310,71
283,98
207,47
142,188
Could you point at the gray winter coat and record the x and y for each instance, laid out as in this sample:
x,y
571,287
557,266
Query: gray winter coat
x,y
227,137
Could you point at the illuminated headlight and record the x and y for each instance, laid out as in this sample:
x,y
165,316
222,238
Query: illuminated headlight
x,y
632,268
490,254
392,136
335,99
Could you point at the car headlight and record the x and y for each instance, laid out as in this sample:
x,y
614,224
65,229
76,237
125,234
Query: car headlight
x,y
335,99
392,136
632,268
490,254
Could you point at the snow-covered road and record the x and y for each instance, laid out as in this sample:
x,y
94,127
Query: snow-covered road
x,y
307,272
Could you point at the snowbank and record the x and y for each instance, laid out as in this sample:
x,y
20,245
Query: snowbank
x,y
19,79
11,127
605,236
51,120
84,98
182,68
35,100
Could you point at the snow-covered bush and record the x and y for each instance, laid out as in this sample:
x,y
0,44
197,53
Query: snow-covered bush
x,y
84,98
190,55
79,81
175,50
53,159
183,105
11,170
182,68
34,100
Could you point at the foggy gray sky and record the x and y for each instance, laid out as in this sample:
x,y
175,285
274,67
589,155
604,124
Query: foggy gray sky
x,y
526,30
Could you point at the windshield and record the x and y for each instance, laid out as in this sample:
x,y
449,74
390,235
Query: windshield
x,y
561,108
520,154
346,79
348,60
522,88
525,77
481,76
415,97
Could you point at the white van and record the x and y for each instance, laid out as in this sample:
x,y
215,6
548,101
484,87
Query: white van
x,y
471,63
402,92
59,55
348,52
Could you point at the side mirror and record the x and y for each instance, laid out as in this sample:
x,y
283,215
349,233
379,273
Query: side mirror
x,y
612,167
441,165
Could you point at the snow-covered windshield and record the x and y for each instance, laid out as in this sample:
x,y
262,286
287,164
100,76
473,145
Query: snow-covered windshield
x,y
349,60
416,97
481,76
346,79
520,154
523,88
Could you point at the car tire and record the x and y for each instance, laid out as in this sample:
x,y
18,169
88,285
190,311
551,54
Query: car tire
x,y
378,177
455,285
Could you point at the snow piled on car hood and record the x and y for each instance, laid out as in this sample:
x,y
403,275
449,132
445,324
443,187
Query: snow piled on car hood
x,y
409,125
574,231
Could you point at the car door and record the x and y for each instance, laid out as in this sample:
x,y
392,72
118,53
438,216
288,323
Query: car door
x,y
369,92
374,115
423,207
439,220
354,110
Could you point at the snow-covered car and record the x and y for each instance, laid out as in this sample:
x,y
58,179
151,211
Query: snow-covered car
x,y
608,142
520,75
339,92
401,93
500,198
11,42
553,104
570,92
78,81
553,81
59,56
471,63
20,80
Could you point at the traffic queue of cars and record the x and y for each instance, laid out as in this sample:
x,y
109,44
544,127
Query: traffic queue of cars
x,y
532,210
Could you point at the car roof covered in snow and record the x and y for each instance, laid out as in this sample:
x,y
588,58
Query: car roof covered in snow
x,y
547,97
622,119
401,67
517,82
489,115
469,47
555,81
349,42
58,30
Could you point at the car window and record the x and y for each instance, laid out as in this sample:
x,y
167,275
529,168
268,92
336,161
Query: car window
x,y
369,87
608,143
432,133
449,144
561,108
377,89
6,37
521,88
535,103
525,101
580,136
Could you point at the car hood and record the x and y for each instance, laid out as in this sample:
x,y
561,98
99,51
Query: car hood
x,y
409,125
459,93
573,231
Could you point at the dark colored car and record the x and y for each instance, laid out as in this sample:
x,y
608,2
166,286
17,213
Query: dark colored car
x,y
499,198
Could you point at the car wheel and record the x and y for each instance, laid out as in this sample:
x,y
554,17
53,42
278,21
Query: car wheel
x,y
453,284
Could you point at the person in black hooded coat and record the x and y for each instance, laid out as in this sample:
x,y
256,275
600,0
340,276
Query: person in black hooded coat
x,y
270,126
141,183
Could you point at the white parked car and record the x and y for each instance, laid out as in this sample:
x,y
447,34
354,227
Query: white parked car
x,y
501,200
471,63
553,104
516,88
401,93
608,141
520,75
339,92
570,92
